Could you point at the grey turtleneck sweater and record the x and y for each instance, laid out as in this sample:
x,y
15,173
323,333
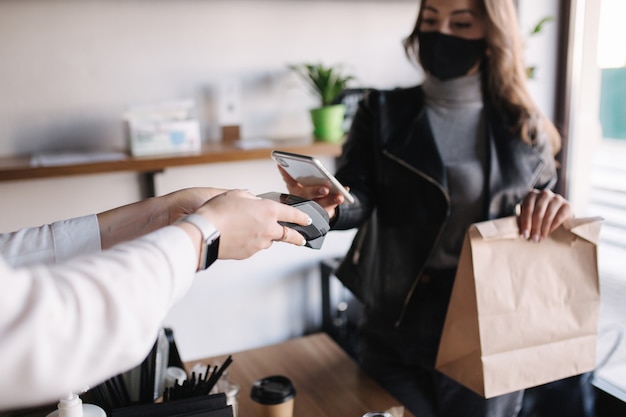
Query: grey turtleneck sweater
x,y
455,113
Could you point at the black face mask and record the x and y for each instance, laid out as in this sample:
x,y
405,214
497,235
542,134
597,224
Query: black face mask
x,y
446,56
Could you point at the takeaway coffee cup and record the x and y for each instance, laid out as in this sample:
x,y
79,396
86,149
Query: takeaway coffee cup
x,y
273,396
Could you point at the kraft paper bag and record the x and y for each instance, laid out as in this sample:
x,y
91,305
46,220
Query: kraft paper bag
x,y
521,313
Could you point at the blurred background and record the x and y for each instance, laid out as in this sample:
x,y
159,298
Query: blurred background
x,y
69,69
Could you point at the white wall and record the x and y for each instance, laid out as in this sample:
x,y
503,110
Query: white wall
x,y
69,68
270,297
539,50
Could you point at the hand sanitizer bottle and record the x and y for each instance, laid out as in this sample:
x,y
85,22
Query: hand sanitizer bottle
x,y
72,406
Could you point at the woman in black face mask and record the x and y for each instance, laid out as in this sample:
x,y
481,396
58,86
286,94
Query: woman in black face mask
x,y
424,163
451,41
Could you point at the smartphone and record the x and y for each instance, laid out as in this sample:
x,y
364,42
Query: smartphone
x,y
308,170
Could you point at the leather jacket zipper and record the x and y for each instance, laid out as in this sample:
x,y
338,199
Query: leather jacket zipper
x,y
356,256
447,197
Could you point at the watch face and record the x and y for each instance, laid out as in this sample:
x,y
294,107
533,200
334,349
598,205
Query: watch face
x,y
212,251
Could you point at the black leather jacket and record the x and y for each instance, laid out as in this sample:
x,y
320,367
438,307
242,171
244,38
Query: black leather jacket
x,y
391,164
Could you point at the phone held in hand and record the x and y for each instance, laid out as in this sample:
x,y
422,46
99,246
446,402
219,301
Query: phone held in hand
x,y
308,170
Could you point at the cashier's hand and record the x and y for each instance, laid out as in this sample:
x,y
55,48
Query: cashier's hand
x,y
248,224
319,193
542,212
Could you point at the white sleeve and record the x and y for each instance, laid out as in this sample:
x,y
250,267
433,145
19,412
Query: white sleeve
x,y
51,243
68,326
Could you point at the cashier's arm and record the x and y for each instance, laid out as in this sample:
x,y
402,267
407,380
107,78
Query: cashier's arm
x,y
247,224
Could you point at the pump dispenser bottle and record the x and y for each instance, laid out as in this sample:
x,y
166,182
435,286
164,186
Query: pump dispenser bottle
x,y
72,406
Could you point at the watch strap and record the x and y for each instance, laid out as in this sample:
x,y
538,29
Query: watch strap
x,y
210,239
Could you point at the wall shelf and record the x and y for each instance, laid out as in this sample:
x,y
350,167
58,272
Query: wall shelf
x,y
20,168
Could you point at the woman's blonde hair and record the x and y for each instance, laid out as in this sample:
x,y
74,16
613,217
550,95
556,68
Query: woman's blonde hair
x,y
504,73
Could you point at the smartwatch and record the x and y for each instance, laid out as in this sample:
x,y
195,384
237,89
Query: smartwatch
x,y
210,239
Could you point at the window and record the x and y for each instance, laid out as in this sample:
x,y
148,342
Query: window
x,y
597,169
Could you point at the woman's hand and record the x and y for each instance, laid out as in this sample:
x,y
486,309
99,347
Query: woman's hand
x,y
319,193
248,224
542,212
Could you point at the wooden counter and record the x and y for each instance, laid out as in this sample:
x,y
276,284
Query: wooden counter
x,y
328,382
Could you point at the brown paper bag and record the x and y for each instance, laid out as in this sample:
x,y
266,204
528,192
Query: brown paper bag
x,y
522,313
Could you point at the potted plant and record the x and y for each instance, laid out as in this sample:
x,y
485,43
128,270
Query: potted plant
x,y
327,83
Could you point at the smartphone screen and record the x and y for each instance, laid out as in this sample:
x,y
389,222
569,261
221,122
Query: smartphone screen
x,y
308,170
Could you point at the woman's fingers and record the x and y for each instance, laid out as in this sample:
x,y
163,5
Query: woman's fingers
x,y
310,192
542,212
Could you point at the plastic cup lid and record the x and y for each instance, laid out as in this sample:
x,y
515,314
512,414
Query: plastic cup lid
x,y
271,390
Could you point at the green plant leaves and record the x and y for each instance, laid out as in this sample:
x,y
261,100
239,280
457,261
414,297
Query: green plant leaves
x,y
539,25
327,82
